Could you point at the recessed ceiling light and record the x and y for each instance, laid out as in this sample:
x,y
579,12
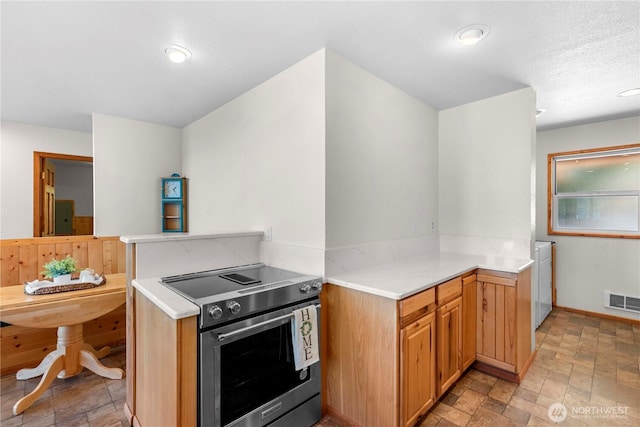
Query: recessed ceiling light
x,y
177,54
540,111
472,34
630,92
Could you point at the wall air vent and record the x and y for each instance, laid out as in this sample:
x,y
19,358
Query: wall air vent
x,y
621,302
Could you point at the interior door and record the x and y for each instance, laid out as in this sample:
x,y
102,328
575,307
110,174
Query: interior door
x,y
64,217
49,199
45,172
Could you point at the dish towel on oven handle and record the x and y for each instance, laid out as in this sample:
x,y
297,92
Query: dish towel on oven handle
x,y
304,329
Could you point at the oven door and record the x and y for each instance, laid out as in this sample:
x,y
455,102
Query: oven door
x,y
248,376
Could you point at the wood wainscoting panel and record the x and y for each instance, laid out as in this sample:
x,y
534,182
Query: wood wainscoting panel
x,y
22,260
82,225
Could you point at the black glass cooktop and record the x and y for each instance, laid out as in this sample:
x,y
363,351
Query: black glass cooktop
x,y
205,284
240,279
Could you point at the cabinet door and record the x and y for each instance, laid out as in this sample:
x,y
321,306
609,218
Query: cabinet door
x,y
486,322
496,327
173,216
417,369
449,333
468,321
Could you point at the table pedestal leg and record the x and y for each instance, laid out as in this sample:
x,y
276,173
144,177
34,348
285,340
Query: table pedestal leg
x,y
52,370
89,361
70,344
26,373
67,360
98,353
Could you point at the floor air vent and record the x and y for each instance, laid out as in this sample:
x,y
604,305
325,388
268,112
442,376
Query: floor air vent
x,y
621,302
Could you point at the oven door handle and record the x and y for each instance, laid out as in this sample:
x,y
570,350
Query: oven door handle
x,y
222,337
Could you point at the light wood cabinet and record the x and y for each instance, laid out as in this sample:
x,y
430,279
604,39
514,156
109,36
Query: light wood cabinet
x,y
504,322
496,320
166,385
417,367
385,362
379,357
449,333
468,321
360,361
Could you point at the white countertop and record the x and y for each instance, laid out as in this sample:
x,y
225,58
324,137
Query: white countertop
x,y
402,279
393,280
174,305
151,238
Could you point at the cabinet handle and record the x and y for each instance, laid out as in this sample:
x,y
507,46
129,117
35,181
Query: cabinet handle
x,y
484,304
222,337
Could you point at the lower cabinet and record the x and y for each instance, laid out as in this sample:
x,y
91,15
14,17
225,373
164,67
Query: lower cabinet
x,y
468,320
496,321
165,360
417,368
449,346
360,358
449,334
504,321
385,362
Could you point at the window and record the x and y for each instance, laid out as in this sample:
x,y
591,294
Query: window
x,y
595,192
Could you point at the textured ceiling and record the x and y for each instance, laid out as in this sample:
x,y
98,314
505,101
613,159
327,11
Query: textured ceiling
x,y
61,61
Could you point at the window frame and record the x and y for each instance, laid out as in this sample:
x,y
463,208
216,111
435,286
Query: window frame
x,y
552,197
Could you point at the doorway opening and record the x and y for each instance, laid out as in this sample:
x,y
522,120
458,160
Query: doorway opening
x,y
62,178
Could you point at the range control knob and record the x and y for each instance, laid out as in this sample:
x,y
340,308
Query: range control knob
x,y
215,312
317,286
306,288
234,307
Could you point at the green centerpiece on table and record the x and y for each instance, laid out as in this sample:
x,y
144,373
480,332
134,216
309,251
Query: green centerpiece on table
x,y
60,269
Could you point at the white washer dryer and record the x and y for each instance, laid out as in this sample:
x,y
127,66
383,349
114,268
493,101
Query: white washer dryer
x,y
543,270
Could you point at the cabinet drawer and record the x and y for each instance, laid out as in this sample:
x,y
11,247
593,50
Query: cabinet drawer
x,y
504,281
467,280
447,291
417,302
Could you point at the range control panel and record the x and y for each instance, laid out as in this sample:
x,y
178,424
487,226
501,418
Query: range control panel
x,y
259,299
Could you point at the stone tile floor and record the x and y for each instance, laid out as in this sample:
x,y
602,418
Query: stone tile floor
x,y
83,400
590,365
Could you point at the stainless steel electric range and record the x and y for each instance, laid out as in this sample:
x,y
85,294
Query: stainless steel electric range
x,y
247,375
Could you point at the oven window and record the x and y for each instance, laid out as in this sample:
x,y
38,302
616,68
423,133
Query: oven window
x,y
255,370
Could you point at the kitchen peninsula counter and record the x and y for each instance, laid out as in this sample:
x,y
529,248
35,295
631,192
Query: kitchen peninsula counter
x,y
419,324
399,280
396,280
165,325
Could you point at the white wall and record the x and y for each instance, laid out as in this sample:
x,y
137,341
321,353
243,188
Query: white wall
x,y
130,157
17,143
587,266
381,158
258,161
485,176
